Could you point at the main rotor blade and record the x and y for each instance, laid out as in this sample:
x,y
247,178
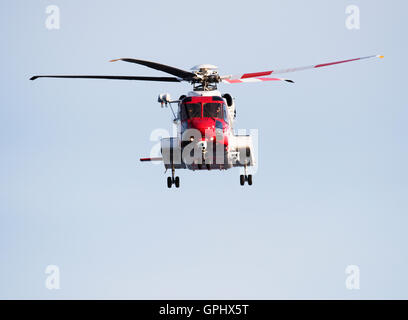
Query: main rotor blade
x,y
185,75
255,80
165,79
278,71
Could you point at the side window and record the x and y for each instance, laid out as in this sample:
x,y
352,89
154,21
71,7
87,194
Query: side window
x,y
183,114
225,113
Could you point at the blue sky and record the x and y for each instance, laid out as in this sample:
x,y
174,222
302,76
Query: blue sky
x,y
331,187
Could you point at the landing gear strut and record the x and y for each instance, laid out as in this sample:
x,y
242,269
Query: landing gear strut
x,y
243,178
173,180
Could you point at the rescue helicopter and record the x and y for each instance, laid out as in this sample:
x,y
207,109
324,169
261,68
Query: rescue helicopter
x,y
205,117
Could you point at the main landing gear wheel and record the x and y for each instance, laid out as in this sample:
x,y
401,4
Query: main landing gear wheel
x,y
173,180
243,178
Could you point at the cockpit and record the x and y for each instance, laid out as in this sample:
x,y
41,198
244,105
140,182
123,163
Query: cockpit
x,y
190,110
216,110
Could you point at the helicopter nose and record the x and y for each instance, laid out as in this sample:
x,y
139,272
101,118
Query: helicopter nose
x,y
204,126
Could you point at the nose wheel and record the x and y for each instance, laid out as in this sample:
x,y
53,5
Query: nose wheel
x,y
173,180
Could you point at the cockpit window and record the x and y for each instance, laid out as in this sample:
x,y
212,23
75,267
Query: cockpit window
x,y
225,113
190,110
213,109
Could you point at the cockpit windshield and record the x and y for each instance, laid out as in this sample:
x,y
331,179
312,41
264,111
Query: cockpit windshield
x,y
210,110
213,110
190,110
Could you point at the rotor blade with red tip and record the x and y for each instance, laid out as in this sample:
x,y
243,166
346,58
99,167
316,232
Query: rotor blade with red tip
x,y
254,80
278,71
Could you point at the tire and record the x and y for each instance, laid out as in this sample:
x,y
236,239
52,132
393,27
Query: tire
x,y
242,179
250,179
169,182
177,182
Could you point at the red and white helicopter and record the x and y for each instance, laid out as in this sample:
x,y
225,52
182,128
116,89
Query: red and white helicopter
x,y
205,118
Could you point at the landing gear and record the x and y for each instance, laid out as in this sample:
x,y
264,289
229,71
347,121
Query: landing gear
x,y
173,180
243,178
249,179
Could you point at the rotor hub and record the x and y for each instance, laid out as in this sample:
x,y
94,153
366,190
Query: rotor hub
x,y
206,78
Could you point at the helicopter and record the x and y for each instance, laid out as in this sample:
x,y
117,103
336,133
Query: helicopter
x,y
205,117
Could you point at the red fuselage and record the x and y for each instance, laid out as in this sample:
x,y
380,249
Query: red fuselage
x,y
207,115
